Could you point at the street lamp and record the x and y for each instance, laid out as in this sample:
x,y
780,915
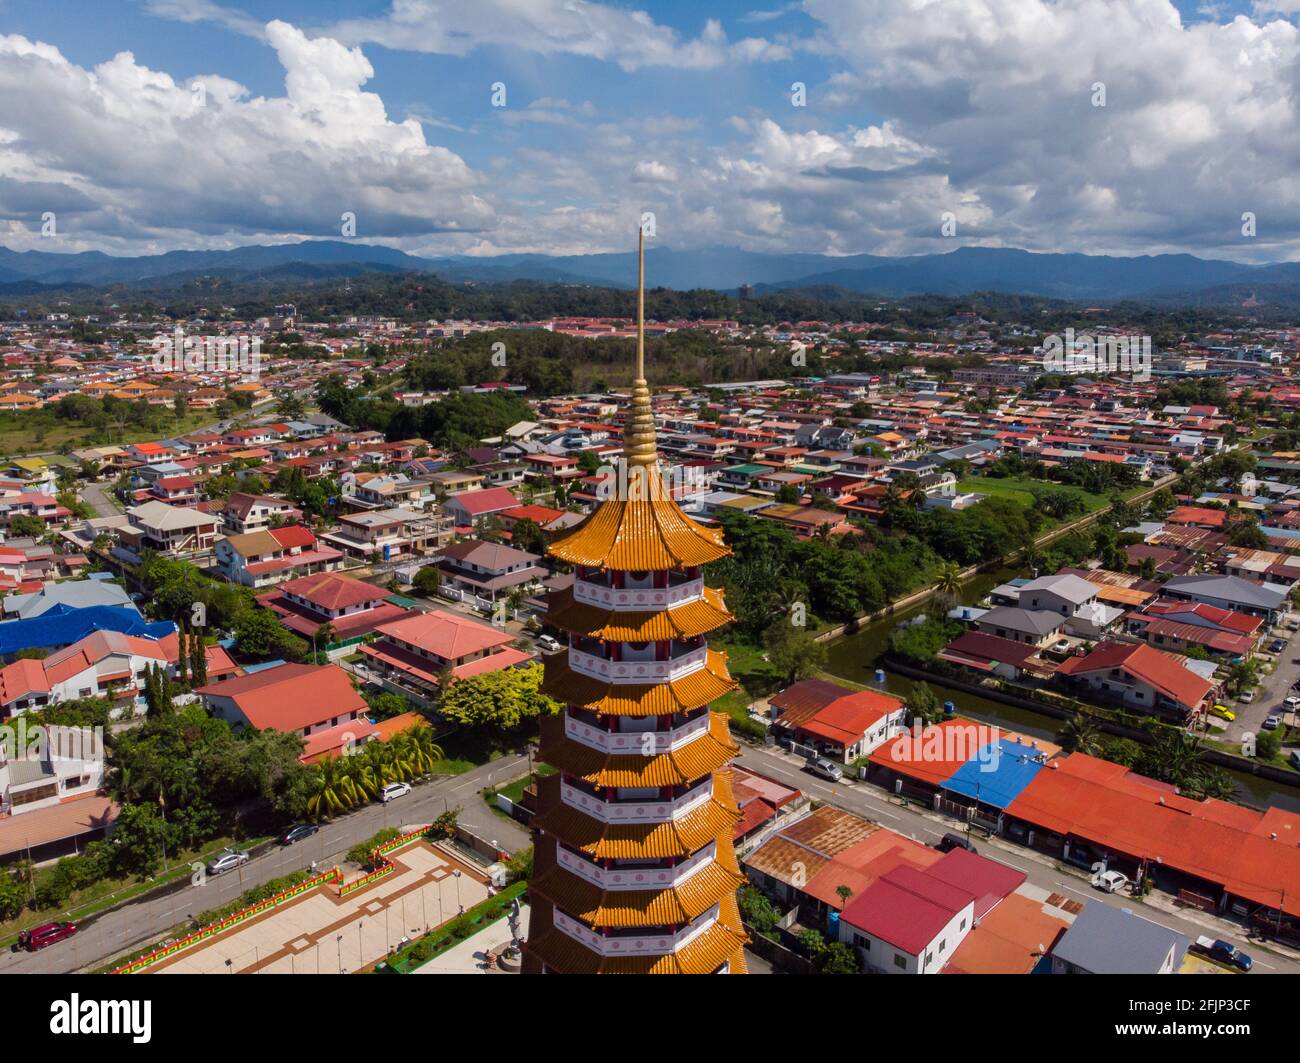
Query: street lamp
x,y
339,939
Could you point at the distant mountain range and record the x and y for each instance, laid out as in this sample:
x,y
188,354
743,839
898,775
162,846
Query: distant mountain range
x,y
1158,278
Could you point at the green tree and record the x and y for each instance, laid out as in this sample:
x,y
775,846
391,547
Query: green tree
x,y
793,651
427,580
1080,735
499,701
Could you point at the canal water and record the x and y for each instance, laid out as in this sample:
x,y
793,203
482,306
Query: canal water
x,y
857,656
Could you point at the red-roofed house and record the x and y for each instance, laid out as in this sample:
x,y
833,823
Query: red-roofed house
x,y
350,606
103,664
318,703
264,558
835,720
1140,677
467,507
411,653
907,922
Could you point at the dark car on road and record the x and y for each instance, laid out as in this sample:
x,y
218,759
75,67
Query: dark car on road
x,y
46,934
950,842
298,833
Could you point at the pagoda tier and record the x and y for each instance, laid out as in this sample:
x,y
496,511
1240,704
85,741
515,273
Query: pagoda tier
x,y
663,839
634,870
558,946
707,747
607,898
640,535
699,617
707,683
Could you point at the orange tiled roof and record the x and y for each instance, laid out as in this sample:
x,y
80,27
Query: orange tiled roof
x,y
724,941
677,767
640,535
682,621
700,687
652,907
638,841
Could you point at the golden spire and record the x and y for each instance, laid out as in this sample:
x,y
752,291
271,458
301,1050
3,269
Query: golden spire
x,y
639,428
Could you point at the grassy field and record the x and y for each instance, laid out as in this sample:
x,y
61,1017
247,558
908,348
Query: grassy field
x,y
32,433
1022,488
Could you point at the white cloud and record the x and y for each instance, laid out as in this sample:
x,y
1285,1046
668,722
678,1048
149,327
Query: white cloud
x,y
156,158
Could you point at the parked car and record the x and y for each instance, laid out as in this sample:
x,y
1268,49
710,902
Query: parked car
x,y
1294,757
1293,701
227,861
949,842
1224,952
1246,698
1293,625
1061,646
39,937
1110,881
298,833
547,644
1272,722
1277,646
827,769
1223,712
394,790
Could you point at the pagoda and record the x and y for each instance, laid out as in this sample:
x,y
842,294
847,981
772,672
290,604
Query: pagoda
x,y
634,869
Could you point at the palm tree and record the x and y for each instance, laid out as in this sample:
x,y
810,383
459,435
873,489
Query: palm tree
x,y
424,751
1080,735
948,581
333,789
361,768
1175,757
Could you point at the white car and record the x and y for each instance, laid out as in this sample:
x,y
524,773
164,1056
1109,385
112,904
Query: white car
x,y
394,790
1109,881
547,644
1293,701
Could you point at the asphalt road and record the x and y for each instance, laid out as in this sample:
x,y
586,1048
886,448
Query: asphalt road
x,y
135,924
95,495
1270,694
874,804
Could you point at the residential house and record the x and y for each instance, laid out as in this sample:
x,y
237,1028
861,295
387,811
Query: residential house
x,y
476,570
1140,677
412,653
317,703
264,558
835,720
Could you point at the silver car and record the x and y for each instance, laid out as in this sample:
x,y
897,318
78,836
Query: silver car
x,y
227,862
827,769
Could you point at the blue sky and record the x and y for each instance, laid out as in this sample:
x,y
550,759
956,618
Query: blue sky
x,y
916,110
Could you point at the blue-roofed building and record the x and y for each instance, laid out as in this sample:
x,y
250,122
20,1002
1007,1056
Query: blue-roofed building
x,y
998,773
61,626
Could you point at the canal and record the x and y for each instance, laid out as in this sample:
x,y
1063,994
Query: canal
x,y
857,656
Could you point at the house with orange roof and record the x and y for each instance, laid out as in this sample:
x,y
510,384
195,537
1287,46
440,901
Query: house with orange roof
x,y
105,664
317,703
412,653
835,720
1140,677
350,606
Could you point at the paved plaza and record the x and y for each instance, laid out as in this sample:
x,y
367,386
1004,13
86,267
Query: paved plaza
x,y
323,933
